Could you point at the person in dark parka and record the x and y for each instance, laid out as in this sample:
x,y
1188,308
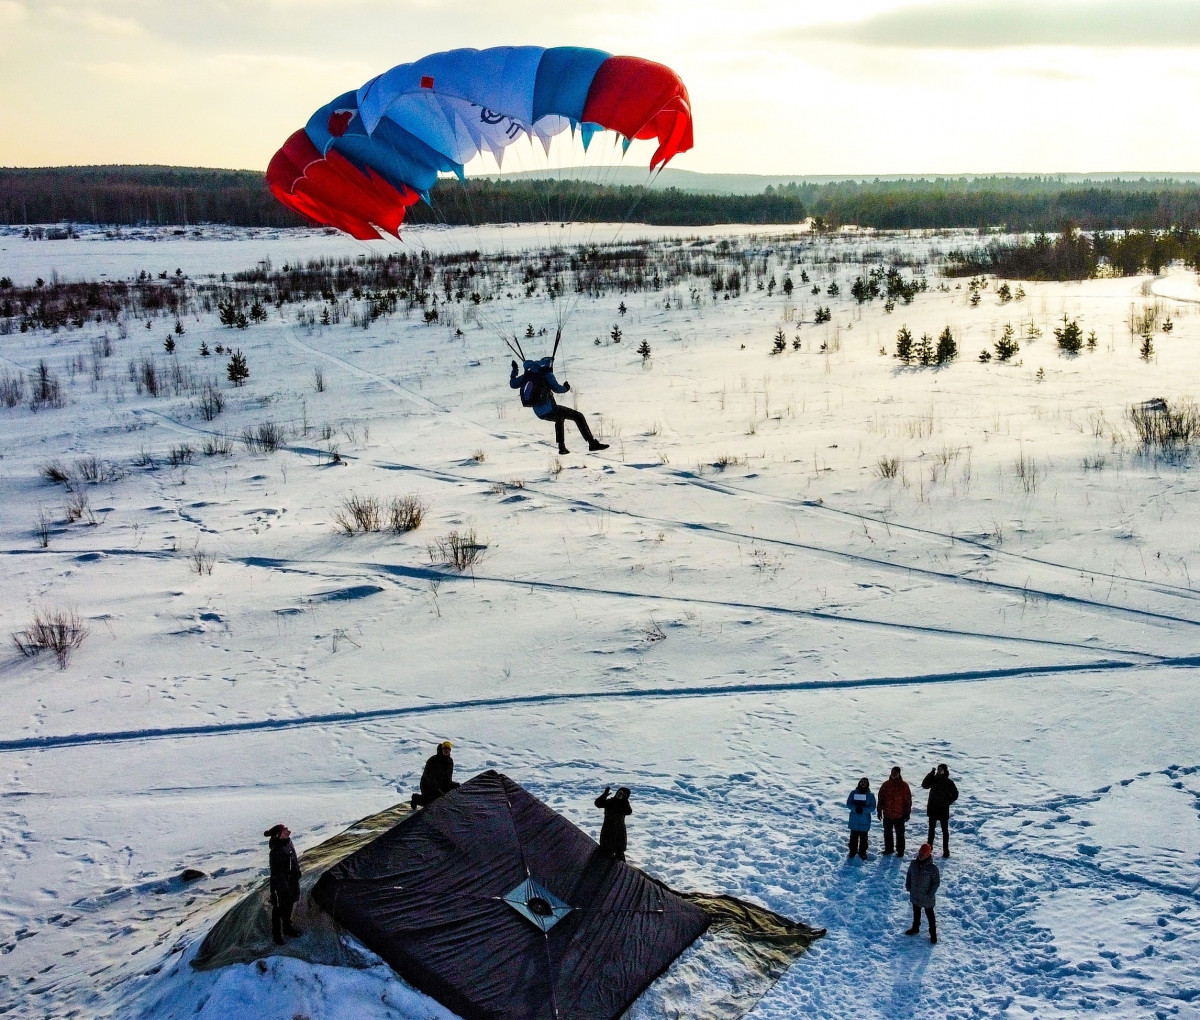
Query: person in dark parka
x,y
438,777
616,809
861,803
285,882
942,793
922,883
895,805
538,386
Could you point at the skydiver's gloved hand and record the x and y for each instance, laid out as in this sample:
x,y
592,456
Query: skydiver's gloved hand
x,y
566,387
514,368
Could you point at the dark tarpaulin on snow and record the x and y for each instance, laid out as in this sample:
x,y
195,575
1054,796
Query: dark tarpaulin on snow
x,y
445,897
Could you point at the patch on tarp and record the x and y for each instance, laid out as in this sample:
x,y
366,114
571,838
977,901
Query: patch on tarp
x,y
724,973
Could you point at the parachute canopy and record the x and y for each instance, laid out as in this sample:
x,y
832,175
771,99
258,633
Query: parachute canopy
x,y
364,158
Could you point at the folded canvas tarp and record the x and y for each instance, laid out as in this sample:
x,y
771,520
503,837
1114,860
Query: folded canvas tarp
x,y
725,972
502,909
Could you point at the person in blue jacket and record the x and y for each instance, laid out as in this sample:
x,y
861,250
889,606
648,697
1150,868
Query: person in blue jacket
x,y
861,803
538,386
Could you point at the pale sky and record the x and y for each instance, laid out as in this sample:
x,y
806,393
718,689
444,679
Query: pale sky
x,y
778,86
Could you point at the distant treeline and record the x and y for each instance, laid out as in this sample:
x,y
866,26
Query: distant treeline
x,y
126,196
1076,256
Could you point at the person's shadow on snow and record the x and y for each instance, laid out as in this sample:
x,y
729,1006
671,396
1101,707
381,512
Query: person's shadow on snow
x,y
908,975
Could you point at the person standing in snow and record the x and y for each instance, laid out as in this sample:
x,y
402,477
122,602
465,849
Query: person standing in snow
x,y
942,793
285,882
895,805
538,386
861,803
438,777
922,883
615,806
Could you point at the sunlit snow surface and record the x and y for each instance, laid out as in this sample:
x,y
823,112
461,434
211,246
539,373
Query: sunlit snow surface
x,y
737,646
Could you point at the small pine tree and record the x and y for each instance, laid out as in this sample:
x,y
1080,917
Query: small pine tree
x,y
796,344
787,286
529,333
1147,349
621,309
179,330
1020,294
1004,293
241,321
985,355
325,316
904,345
237,369
257,312
1069,336
947,348
779,343
1167,325
833,290
1091,341
974,298
169,345
228,312
924,350
816,289
616,334
644,349
204,351
1007,345
804,276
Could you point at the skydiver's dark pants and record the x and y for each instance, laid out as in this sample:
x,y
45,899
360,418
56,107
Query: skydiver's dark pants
x,y
933,824
560,415
858,844
281,917
916,925
893,829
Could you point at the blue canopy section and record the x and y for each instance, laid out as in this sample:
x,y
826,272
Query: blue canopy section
x,y
397,155
564,76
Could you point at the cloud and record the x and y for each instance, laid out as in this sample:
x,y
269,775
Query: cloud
x,y
998,24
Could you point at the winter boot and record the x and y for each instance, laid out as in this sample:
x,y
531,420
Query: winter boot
x,y
562,449
595,445
932,927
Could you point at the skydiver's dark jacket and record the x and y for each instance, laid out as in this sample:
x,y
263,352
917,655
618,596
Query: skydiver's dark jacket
x,y
942,793
544,404
613,837
438,777
285,871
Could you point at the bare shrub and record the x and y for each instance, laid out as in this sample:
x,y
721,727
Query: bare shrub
x,y
78,508
54,472
57,630
405,513
727,460
1028,472
359,514
41,529
180,455
201,562
151,381
215,445
479,456
459,549
95,470
12,389
887,467
46,388
144,458
265,437
319,379
1166,429
212,401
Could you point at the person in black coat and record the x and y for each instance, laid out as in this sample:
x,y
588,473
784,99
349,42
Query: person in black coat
x,y
613,838
942,793
285,882
438,778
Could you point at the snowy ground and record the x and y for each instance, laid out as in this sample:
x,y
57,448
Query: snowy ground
x,y
737,645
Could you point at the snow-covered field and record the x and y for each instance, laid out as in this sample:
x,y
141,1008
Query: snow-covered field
x,y
731,611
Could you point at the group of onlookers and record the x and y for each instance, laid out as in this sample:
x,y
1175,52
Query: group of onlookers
x,y
894,807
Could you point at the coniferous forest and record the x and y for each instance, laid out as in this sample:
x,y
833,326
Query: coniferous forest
x,y
132,195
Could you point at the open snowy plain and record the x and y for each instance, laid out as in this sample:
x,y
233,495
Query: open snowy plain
x,y
733,611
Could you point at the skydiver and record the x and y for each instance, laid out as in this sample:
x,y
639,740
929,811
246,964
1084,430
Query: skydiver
x,y
538,386
613,838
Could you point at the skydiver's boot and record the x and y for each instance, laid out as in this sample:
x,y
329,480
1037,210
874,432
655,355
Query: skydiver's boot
x,y
595,445
562,449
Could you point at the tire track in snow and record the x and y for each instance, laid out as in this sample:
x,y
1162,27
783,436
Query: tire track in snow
x,y
1090,605
51,741
431,574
